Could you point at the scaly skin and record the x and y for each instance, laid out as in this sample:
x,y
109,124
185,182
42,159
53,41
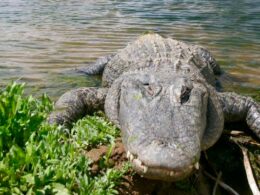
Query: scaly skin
x,y
76,103
161,94
239,108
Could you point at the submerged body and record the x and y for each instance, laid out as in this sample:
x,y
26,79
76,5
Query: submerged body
x,y
162,94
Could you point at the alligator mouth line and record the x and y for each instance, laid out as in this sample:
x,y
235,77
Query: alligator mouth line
x,y
161,173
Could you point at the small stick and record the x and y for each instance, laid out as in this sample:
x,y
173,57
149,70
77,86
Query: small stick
x,y
222,184
216,184
249,173
234,133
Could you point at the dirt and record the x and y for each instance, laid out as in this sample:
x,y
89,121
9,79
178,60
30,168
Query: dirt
x,y
134,184
223,158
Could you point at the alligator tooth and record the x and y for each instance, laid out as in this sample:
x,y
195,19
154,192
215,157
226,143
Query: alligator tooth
x,y
145,169
128,154
138,162
197,166
131,158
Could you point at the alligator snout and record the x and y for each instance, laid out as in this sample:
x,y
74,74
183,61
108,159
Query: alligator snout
x,y
160,172
163,160
162,131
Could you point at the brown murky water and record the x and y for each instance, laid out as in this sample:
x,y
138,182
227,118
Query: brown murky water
x,y
41,42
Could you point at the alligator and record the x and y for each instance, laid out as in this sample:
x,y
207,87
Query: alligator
x,y
163,95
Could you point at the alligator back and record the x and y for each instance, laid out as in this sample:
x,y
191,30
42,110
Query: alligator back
x,y
151,52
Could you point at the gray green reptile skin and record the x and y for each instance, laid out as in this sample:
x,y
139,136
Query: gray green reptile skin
x,y
162,94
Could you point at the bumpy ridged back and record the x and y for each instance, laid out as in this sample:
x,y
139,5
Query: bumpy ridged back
x,y
152,52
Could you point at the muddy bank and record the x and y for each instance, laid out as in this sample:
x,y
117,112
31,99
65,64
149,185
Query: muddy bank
x,y
224,157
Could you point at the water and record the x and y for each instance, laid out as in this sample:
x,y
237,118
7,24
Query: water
x,y
41,42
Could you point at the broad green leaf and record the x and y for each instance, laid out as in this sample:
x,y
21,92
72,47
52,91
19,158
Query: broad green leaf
x,y
60,189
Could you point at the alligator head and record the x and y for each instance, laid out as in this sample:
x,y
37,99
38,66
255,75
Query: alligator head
x,y
165,121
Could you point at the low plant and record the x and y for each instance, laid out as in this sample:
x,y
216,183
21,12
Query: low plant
x,y
19,116
39,158
92,131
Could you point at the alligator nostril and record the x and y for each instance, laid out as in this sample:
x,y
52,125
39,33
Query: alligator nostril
x,y
158,143
185,94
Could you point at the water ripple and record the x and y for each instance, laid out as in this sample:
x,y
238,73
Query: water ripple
x,y
40,41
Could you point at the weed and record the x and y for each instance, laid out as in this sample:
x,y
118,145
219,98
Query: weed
x,y
38,158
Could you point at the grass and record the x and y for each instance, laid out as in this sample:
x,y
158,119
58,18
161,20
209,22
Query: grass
x,y
38,158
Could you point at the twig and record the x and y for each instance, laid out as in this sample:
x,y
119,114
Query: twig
x,y
249,173
222,184
234,133
241,137
216,184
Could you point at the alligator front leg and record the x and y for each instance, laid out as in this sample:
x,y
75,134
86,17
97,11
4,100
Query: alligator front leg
x,y
97,67
75,104
240,108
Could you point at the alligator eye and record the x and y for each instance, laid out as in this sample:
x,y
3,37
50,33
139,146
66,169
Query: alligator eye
x,y
185,94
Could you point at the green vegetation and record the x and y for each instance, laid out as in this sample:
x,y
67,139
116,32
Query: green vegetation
x,y
38,158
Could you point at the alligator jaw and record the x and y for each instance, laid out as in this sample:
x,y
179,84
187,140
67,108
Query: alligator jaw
x,y
160,173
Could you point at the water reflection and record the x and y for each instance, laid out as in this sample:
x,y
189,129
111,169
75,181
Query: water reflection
x,y
40,41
